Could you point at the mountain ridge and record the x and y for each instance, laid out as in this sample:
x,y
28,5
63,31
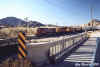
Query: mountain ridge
x,y
14,21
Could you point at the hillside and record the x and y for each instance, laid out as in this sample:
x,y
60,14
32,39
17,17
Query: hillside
x,y
13,22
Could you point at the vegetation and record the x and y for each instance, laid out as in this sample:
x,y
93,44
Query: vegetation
x,y
12,32
16,63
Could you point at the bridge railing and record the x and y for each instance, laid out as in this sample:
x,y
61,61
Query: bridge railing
x,y
8,42
51,51
61,47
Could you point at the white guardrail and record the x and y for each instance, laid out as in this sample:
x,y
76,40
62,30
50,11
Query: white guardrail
x,y
8,42
51,51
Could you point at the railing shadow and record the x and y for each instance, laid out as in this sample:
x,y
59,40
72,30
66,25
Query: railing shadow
x,y
69,53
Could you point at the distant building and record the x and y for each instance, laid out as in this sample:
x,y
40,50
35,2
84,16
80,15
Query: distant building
x,y
94,22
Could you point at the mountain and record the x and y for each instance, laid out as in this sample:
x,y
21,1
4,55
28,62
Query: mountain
x,y
51,25
13,22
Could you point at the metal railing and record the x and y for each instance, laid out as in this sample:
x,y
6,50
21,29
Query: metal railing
x,y
61,47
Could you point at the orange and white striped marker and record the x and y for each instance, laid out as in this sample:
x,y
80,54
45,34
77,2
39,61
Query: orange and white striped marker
x,y
22,53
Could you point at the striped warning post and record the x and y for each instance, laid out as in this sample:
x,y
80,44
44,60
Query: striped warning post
x,y
21,45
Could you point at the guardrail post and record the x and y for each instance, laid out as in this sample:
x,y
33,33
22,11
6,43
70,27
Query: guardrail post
x,y
73,41
62,44
51,57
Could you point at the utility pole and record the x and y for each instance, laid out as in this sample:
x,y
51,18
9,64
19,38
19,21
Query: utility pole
x,y
92,21
27,24
19,25
30,22
91,13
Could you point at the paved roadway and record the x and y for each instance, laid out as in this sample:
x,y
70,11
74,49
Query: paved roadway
x,y
6,52
7,49
83,56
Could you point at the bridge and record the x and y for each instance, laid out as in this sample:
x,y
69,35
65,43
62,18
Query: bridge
x,y
81,50
84,55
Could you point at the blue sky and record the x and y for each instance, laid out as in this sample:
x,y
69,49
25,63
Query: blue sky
x,y
62,12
